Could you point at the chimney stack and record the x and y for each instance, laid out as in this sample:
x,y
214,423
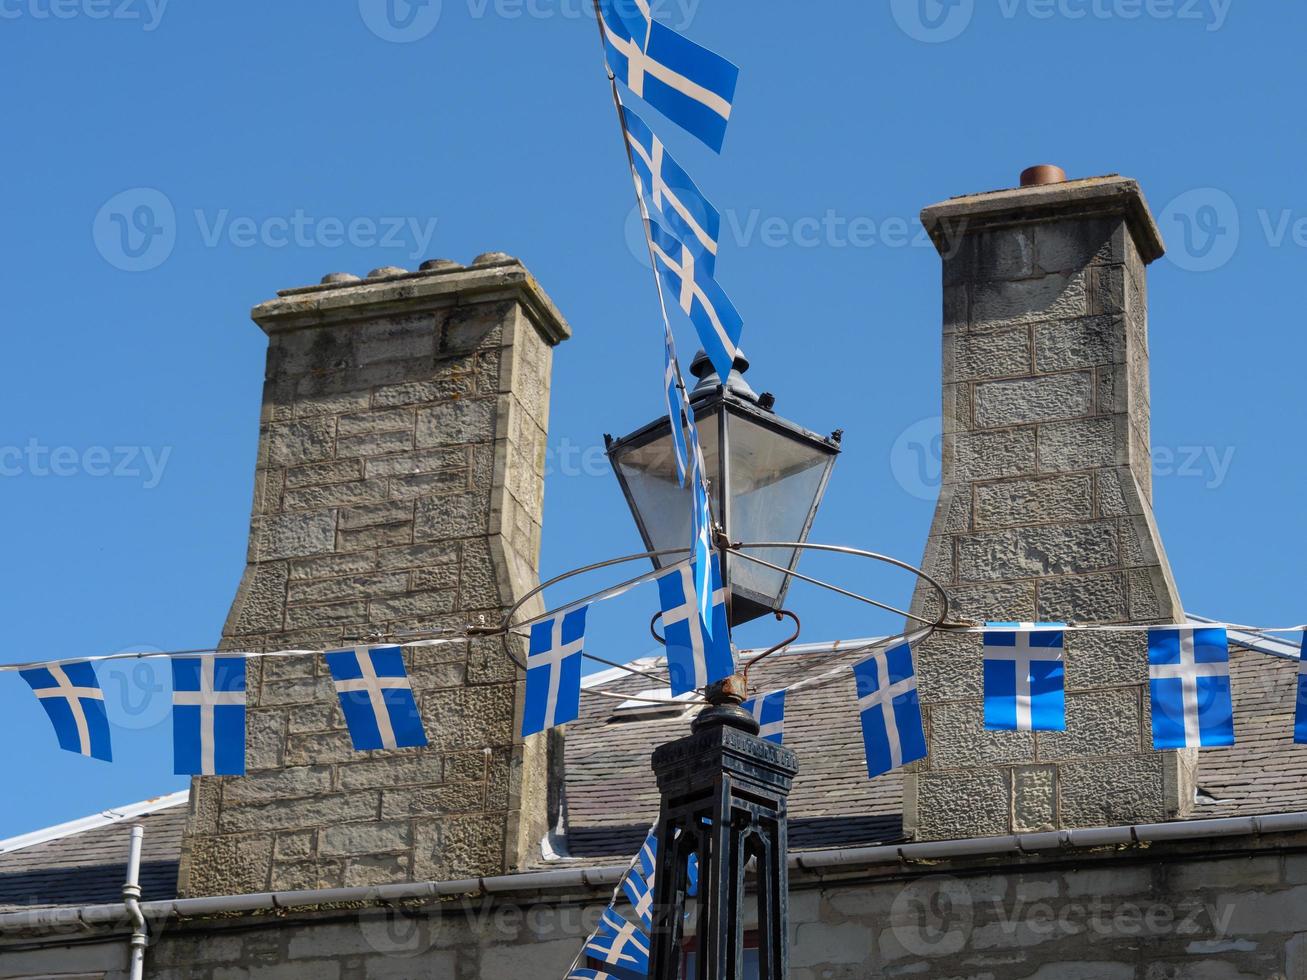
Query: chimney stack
x,y
1045,513
399,486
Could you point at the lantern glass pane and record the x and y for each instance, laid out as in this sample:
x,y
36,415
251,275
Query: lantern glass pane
x,y
663,505
776,480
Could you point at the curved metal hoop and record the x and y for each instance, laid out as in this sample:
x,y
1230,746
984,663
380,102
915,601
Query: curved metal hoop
x,y
738,548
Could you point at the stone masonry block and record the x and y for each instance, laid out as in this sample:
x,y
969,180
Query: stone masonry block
x,y
296,535
987,355
1099,598
372,837
990,455
1112,792
1079,445
960,804
1050,297
1102,659
1034,799
1098,723
456,422
1041,399
1041,551
301,441
451,516
1071,344
954,745
1014,503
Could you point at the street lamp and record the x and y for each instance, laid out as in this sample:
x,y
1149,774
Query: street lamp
x,y
724,790
766,478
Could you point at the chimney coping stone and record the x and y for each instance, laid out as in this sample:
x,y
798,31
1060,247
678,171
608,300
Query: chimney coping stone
x,y
337,302
1111,194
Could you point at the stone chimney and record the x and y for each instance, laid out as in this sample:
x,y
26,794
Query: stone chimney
x,y
399,486
1046,513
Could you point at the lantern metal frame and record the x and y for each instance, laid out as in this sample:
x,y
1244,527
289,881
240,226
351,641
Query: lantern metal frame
x,y
741,549
735,399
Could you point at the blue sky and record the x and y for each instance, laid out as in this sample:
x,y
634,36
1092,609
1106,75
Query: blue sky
x,y
277,142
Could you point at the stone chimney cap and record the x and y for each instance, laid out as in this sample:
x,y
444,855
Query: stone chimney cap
x,y
348,298
1087,197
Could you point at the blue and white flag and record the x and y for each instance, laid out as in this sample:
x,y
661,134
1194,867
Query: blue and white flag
x,y
697,293
695,657
1025,678
1300,717
1189,671
377,698
769,710
639,891
891,714
687,83
647,859
702,558
677,407
666,185
208,715
553,672
591,975
618,943
74,701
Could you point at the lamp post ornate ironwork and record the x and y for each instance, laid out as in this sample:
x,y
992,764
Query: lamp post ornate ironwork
x,y
724,790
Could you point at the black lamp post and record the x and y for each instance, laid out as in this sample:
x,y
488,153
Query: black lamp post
x,y
766,477
724,790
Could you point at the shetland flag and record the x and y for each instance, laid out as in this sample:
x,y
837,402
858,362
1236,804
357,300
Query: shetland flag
x,y
74,702
716,320
1024,677
690,85
1300,721
208,715
553,672
669,189
892,731
695,656
769,710
1189,671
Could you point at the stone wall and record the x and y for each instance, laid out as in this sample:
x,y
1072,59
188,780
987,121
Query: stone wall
x,y
1045,512
1214,909
399,486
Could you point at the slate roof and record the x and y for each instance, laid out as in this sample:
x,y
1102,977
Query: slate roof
x,y
611,798
89,866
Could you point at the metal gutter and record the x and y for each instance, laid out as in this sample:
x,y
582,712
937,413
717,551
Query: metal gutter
x,y
565,879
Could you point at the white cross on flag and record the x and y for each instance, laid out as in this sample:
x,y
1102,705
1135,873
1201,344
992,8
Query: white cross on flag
x,y
1024,677
553,672
74,701
892,732
696,655
1189,672
208,715
377,698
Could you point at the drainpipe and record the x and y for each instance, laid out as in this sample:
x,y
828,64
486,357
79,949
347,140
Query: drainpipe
x,y
132,900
